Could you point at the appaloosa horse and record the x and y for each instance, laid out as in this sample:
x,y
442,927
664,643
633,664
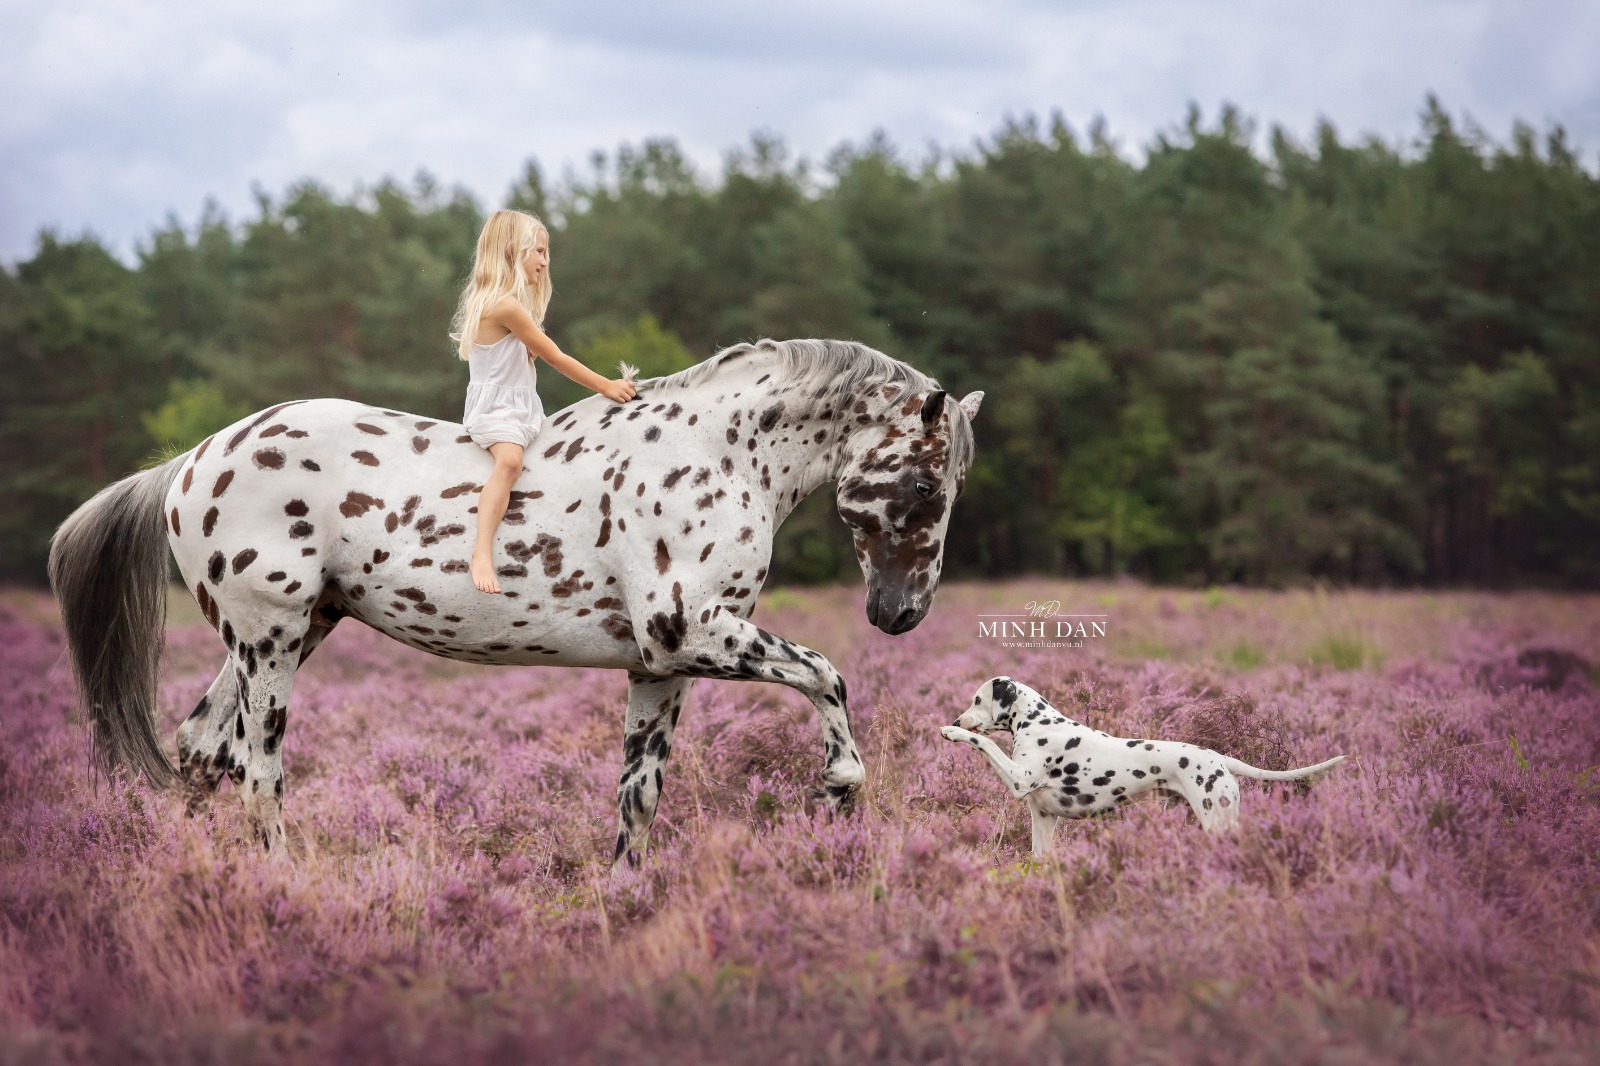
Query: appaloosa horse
x,y
637,538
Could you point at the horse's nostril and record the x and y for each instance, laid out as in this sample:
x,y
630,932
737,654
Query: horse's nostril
x,y
903,621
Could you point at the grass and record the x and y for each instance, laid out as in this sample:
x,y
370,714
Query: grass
x,y
1344,651
1432,900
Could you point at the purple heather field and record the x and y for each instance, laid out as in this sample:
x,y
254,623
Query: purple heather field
x,y
1434,900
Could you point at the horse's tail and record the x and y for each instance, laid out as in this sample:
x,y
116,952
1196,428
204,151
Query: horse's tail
x,y
1244,769
108,568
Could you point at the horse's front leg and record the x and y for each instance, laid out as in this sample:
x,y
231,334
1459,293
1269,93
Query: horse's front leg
x,y
654,704
719,643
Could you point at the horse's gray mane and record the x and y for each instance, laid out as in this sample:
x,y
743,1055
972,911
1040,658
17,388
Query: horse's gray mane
x,y
843,367
838,369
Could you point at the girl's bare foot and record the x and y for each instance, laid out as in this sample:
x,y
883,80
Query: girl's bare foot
x,y
483,573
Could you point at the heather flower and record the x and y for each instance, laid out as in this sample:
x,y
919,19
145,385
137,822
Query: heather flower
x,y
450,900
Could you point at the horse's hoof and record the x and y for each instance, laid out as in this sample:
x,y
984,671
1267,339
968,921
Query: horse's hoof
x,y
196,802
840,799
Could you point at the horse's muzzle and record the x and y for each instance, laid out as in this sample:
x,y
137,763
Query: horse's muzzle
x,y
895,614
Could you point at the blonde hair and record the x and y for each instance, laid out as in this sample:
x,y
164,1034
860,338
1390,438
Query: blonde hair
x,y
507,237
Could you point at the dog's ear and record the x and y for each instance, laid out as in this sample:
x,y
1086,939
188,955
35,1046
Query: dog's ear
x,y
1005,692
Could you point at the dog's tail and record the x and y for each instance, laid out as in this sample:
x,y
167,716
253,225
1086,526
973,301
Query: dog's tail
x,y
1244,769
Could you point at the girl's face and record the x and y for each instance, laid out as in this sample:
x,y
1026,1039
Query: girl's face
x,y
537,259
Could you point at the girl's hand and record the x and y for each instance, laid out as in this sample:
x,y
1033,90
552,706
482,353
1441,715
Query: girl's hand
x,y
617,390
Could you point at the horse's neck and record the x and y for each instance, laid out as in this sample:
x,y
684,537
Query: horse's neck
x,y
795,462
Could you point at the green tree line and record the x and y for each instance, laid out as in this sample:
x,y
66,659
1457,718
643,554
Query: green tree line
x,y
1353,362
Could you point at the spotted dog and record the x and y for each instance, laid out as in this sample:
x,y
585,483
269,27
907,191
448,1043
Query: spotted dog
x,y
1064,769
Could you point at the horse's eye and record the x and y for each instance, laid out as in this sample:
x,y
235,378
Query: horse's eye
x,y
925,489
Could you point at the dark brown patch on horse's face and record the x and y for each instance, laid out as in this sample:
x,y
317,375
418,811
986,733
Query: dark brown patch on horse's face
x,y
895,496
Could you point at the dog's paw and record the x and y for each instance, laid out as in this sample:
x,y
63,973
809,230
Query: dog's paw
x,y
955,732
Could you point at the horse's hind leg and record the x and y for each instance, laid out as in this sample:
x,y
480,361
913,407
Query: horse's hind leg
x,y
265,653
654,704
212,740
259,727
204,739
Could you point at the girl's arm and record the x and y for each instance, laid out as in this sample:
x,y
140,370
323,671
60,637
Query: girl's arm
x,y
512,316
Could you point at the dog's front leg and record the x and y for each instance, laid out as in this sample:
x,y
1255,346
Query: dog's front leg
x,y
1044,831
1019,780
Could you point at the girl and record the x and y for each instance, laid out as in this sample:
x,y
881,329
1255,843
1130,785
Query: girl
x,y
498,332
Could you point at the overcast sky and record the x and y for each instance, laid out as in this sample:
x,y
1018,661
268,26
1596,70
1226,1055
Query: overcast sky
x,y
119,112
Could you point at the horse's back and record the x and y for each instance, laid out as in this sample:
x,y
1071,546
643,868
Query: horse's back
x,y
375,510
264,504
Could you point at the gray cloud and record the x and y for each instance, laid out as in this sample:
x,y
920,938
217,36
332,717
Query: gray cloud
x,y
120,112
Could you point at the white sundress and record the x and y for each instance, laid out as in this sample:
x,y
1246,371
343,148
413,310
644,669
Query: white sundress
x,y
502,403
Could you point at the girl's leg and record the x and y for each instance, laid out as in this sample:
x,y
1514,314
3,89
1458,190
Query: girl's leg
x,y
491,508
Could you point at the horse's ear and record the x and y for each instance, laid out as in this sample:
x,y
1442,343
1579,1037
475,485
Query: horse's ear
x,y
932,407
970,404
